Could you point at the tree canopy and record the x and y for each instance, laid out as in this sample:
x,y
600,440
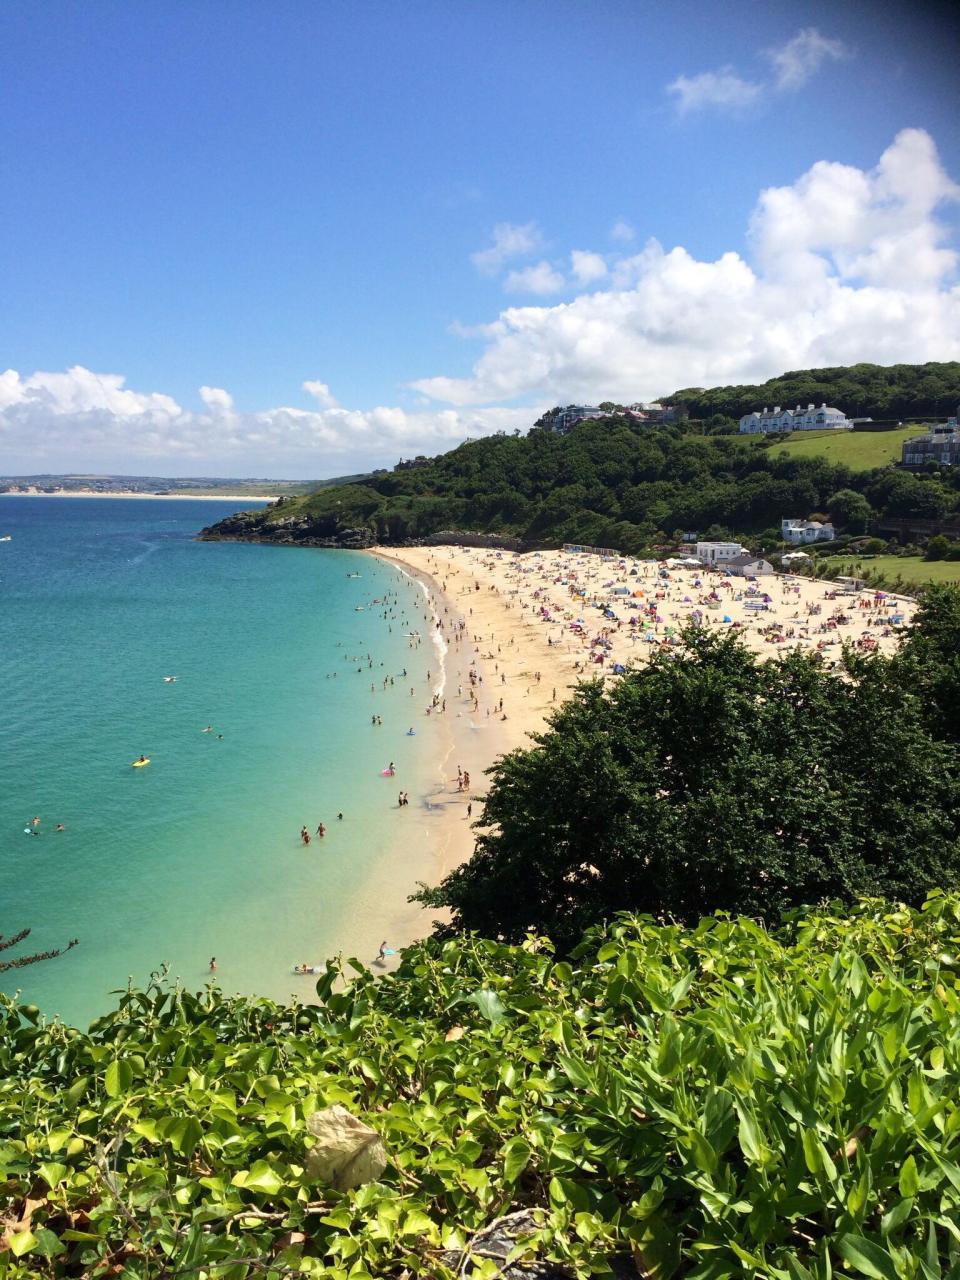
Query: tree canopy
x,y
861,390
711,780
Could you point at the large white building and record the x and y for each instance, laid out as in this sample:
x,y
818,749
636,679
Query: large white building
x,y
718,552
768,421
800,531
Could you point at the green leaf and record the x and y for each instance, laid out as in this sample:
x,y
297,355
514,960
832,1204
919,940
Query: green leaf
x,y
909,1181
118,1078
52,1172
489,1004
48,1243
22,1242
260,1177
576,1071
869,1258
183,1133
76,1091
516,1156
751,1143
894,1218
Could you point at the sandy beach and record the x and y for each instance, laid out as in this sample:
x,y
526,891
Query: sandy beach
x,y
165,497
522,630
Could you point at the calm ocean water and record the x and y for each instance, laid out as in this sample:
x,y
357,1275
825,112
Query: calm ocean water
x,y
199,854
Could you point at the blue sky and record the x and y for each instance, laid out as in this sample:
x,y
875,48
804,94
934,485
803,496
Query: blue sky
x,y
248,198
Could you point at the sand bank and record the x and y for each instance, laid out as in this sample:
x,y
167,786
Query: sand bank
x,y
523,630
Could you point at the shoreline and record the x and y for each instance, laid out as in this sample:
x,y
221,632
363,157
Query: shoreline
x,y
156,497
479,638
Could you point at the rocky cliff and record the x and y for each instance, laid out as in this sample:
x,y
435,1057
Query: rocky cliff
x,y
296,530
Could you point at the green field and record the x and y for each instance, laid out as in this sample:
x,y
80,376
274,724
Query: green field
x,y
913,569
859,450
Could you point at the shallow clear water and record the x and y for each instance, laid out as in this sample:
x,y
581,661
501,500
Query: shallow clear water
x,y
199,854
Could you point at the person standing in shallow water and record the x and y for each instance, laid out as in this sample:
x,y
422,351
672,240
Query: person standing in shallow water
x,y
213,964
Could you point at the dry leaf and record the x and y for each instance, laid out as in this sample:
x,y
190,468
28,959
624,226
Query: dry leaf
x,y
11,1224
454,1033
348,1152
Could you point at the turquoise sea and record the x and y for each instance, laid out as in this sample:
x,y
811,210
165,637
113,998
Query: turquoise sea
x,y
199,854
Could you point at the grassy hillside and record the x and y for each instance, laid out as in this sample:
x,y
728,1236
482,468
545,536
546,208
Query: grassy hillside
x,y
858,450
717,1102
914,570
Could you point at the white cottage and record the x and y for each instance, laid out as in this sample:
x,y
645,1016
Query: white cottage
x,y
718,552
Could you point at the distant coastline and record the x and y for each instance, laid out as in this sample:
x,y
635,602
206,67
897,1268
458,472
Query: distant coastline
x,y
166,497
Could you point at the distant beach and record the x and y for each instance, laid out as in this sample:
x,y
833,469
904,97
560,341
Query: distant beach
x,y
165,497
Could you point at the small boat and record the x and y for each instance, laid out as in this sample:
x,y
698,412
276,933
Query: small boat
x,y
304,969
7,537
140,764
358,608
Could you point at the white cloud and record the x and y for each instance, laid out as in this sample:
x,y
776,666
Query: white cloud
x,y
794,63
217,400
321,393
587,267
621,232
510,240
802,57
540,278
83,420
724,89
847,265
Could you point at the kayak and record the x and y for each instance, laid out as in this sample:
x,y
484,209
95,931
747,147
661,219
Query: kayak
x,y
138,764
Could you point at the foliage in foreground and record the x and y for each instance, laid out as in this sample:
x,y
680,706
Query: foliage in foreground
x,y
718,1101
711,780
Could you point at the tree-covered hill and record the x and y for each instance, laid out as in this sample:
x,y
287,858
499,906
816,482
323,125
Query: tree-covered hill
x,y
715,1103
609,483
899,391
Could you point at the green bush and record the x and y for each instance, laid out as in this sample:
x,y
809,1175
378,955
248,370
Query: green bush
x,y
937,547
692,785
720,1101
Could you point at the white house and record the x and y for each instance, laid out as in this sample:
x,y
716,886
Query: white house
x,y
800,531
748,566
769,421
718,552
